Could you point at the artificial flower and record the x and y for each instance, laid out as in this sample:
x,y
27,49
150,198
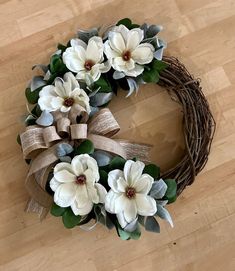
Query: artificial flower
x,y
76,184
126,52
86,60
63,95
128,195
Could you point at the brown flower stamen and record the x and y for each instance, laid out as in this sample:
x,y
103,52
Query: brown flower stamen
x,y
130,192
89,64
126,56
81,179
68,102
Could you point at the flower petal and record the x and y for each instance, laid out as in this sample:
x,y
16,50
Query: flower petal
x,y
47,91
120,203
133,171
54,184
146,206
101,192
77,165
143,54
74,58
123,30
117,42
86,209
135,36
65,194
144,184
63,165
45,103
57,103
94,49
78,42
109,52
64,176
136,71
121,184
121,65
81,195
130,210
121,219
113,176
110,201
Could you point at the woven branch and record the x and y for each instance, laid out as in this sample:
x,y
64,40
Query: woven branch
x,y
198,122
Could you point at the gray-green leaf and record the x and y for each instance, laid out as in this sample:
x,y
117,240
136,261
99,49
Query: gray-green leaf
x,y
152,225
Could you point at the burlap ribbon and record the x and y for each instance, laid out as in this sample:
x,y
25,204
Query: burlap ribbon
x,y
40,144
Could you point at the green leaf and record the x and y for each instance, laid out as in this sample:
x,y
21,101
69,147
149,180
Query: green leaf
x,y
171,190
61,47
30,120
126,21
36,111
134,26
18,140
57,65
135,235
159,65
57,210
85,147
150,76
32,96
117,163
103,84
152,170
123,234
69,219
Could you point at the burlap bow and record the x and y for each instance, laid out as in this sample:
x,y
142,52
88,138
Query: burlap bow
x,y
40,144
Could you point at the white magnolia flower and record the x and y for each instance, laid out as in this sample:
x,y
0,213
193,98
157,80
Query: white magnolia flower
x,y
76,184
128,195
126,52
63,95
86,59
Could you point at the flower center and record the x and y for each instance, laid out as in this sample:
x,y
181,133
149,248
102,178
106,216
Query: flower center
x,y
130,192
89,64
68,102
126,55
81,179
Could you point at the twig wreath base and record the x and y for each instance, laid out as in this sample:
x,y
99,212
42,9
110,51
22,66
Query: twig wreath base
x,y
77,171
198,122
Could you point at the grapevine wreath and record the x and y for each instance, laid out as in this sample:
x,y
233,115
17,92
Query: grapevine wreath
x,y
77,171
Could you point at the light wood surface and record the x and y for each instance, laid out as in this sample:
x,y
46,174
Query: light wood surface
x,y
200,33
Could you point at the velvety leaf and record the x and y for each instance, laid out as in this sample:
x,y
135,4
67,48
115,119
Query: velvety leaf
x,y
57,210
152,225
69,219
133,86
46,119
103,158
118,75
164,214
152,170
85,35
63,149
36,83
101,99
153,30
171,190
32,96
158,189
117,163
66,159
85,147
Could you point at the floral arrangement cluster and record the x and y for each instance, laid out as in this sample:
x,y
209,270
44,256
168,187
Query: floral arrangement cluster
x,y
88,184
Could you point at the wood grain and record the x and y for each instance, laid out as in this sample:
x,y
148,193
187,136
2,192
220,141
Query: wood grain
x,y
201,34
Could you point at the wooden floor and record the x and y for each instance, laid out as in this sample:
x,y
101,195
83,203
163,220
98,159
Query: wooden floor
x,y
200,33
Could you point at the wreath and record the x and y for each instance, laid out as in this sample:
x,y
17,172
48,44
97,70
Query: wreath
x,y
76,170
